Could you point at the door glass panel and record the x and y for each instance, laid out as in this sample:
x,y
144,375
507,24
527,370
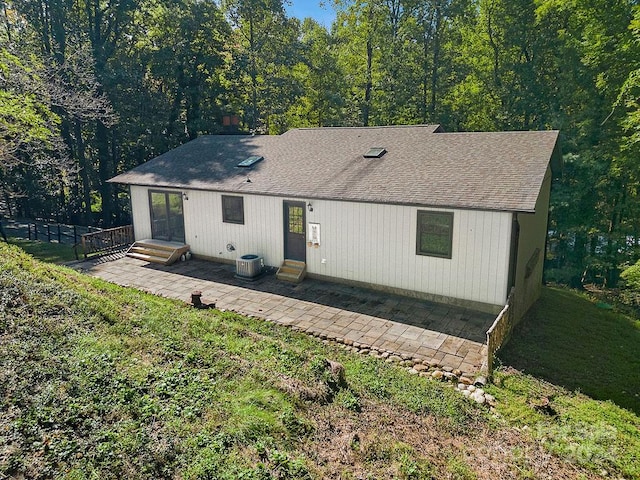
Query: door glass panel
x,y
296,219
159,216
176,218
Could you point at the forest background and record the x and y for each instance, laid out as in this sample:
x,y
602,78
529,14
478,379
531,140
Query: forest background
x,y
91,88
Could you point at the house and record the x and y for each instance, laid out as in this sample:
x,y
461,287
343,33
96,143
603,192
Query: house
x,y
458,218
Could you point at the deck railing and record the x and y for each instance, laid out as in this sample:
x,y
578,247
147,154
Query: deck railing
x,y
48,231
499,331
106,240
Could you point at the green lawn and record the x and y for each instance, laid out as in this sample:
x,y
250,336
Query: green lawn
x,y
568,341
571,376
101,381
49,252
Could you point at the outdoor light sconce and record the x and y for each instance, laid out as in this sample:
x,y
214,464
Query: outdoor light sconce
x,y
184,195
309,207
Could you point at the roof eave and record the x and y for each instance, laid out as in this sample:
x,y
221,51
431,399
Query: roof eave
x,y
173,186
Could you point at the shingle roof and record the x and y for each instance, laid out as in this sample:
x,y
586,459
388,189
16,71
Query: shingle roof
x,y
489,171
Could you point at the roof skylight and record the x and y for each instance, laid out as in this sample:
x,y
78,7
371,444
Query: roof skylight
x,y
250,162
375,152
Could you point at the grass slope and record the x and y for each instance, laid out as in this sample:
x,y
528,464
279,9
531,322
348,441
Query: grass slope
x,y
50,252
99,381
568,341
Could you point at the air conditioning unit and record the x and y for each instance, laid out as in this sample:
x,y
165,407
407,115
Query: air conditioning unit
x,y
249,267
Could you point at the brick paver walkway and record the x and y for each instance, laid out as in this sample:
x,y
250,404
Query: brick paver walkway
x,y
449,335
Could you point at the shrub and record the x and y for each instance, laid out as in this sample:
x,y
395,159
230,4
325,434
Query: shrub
x,y
631,276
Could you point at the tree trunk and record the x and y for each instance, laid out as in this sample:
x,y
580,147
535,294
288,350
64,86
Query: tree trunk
x,y
496,51
425,81
84,173
254,76
436,61
104,162
7,201
44,33
366,107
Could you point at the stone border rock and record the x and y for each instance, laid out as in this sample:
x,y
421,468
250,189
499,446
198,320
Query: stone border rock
x,y
477,394
467,383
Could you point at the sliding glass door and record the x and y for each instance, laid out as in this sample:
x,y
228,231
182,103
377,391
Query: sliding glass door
x,y
167,218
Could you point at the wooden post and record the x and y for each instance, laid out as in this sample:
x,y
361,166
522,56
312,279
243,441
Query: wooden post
x,y
35,231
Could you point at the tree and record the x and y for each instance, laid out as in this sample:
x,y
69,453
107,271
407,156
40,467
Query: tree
x,y
53,29
359,53
30,155
184,50
264,50
320,78
597,37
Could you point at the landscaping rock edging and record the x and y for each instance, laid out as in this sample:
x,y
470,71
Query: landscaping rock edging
x,y
471,389
468,384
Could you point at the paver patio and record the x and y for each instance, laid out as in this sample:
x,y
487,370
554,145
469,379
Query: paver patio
x,y
451,336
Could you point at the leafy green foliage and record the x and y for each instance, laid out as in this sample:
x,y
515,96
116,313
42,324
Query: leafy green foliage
x,y
29,128
631,276
629,293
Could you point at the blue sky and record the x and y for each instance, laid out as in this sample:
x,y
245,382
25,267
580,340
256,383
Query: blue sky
x,y
321,11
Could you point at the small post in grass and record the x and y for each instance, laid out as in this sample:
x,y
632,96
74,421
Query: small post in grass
x,y
196,301
196,298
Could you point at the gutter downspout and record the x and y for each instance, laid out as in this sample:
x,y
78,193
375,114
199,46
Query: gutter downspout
x,y
513,254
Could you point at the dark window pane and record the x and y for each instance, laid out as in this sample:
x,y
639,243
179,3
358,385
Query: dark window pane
x,y
232,209
434,233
